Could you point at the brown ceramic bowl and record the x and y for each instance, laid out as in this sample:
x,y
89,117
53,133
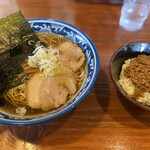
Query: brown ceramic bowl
x,y
125,52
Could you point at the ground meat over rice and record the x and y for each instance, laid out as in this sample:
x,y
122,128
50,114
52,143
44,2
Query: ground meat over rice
x,y
139,72
134,78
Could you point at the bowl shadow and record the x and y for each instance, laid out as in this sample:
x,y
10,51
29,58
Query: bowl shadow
x,y
103,103
31,133
128,51
133,110
38,132
65,130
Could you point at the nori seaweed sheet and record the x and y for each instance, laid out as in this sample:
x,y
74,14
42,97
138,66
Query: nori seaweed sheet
x,y
15,32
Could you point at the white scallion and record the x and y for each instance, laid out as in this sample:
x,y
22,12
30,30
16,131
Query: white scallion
x,y
47,60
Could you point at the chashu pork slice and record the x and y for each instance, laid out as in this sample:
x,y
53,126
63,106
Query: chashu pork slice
x,y
50,92
33,88
74,56
55,89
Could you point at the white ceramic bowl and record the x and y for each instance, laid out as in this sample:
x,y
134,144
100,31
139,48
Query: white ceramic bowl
x,y
78,37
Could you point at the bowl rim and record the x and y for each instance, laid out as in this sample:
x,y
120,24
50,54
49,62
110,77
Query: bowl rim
x,y
75,103
130,99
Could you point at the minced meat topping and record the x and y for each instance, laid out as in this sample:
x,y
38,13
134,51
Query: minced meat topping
x,y
139,72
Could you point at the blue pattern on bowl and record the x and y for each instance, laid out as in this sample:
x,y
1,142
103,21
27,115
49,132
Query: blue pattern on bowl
x,y
78,37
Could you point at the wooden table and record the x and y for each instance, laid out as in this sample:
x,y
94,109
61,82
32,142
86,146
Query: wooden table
x,y
105,119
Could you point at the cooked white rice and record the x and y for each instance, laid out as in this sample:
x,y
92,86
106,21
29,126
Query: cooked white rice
x,y
127,85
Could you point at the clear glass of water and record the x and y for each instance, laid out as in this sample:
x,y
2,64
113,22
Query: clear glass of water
x,y
133,14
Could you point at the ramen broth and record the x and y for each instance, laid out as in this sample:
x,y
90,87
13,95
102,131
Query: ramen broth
x,y
53,40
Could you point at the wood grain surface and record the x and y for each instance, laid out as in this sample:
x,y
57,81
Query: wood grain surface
x,y
104,119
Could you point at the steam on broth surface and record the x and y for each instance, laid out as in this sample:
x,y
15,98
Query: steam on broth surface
x,y
56,72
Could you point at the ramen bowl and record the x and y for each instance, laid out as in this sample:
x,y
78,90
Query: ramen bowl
x,y
125,52
92,60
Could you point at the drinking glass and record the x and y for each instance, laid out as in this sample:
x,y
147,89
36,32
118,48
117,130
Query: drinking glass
x,y
133,14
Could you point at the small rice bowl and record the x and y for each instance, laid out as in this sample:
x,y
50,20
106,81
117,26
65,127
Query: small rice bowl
x,y
128,86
